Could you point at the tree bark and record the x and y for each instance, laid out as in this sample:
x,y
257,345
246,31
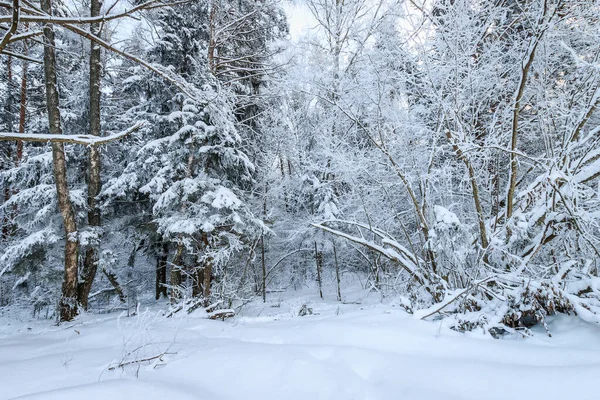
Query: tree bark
x,y
90,263
68,301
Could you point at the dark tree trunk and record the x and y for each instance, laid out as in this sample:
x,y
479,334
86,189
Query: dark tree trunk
x,y
176,274
319,261
337,273
264,268
23,103
212,49
68,301
161,271
8,117
112,278
22,120
90,262
207,271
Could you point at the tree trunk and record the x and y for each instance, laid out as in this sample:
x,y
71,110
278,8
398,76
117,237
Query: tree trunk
x,y
198,280
22,120
474,191
112,278
8,116
23,103
90,262
207,280
264,268
319,261
176,274
207,272
161,271
285,196
337,273
525,67
212,49
68,301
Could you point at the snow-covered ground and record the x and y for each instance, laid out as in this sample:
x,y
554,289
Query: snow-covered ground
x,y
365,351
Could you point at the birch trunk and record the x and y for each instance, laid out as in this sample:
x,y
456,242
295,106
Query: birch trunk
x,y
68,300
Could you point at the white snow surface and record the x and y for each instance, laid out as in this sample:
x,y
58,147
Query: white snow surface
x,y
372,350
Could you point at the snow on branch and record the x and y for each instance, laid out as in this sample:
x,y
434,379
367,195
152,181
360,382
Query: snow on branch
x,y
85,140
36,16
14,24
437,308
404,260
21,56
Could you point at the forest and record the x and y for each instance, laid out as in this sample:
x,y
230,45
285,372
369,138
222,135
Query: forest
x,y
207,155
311,199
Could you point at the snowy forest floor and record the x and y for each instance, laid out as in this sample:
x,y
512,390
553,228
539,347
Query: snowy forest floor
x,y
372,350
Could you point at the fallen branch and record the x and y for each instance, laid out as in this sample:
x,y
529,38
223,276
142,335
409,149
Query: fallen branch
x,y
139,361
221,314
453,299
191,305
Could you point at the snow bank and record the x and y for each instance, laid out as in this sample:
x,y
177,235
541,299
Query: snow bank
x,y
342,351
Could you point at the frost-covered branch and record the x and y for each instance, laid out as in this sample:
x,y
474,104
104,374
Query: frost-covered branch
x,y
401,258
85,140
35,16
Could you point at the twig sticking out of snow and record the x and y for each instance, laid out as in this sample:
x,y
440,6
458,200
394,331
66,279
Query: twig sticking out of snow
x,y
139,361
